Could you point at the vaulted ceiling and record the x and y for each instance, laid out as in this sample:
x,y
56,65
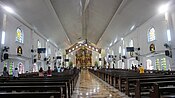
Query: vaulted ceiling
x,y
67,22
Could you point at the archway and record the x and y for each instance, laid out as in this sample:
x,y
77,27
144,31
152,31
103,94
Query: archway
x,y
21,67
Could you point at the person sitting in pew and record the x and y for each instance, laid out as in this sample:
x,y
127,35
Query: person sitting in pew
x,y
55,69
135,68
49,72
5,72
132,67
141,68
41,72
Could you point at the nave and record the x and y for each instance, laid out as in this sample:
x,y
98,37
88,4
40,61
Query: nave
x,y
90,86
87,48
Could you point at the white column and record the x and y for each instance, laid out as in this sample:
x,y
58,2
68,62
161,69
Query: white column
x,y
67,63
171,23
3,28
100,62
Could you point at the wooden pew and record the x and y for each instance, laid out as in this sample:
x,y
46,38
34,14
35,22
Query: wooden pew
x,y
68,80
144,85
163,89
29,94
125,80
130,81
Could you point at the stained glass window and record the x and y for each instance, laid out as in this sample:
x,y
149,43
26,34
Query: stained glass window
x,y
11,67
157,64
149,64
131,43
151,35
19,35
39,44
163,63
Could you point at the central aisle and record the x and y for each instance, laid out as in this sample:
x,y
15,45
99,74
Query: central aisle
x,y
88,86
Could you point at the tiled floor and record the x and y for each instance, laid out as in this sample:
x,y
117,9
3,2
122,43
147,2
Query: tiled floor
x,y
89,86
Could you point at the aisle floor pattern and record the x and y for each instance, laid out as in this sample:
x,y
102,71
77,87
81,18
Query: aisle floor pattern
x,y
89,86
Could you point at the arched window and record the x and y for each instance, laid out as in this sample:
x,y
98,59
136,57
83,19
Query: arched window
x,y
131,43
49,50
151,35
149,64
19,35
120,49
21,67
39,44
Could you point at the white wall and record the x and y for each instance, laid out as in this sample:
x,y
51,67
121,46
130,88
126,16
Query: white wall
x,y
30,39
139,36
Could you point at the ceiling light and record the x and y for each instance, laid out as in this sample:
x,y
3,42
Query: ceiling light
x,y
115,40
8,9
47,40
110,44
132,27
69,50
72,48
108,48
80,45
122,38
76,46
85,44
163,8
93,48
89,46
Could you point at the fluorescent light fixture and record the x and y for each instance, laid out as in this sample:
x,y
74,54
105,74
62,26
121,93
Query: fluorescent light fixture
x,y
132,27
8,9
110,44
163,8
122,38
3,38
169,35
115,40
